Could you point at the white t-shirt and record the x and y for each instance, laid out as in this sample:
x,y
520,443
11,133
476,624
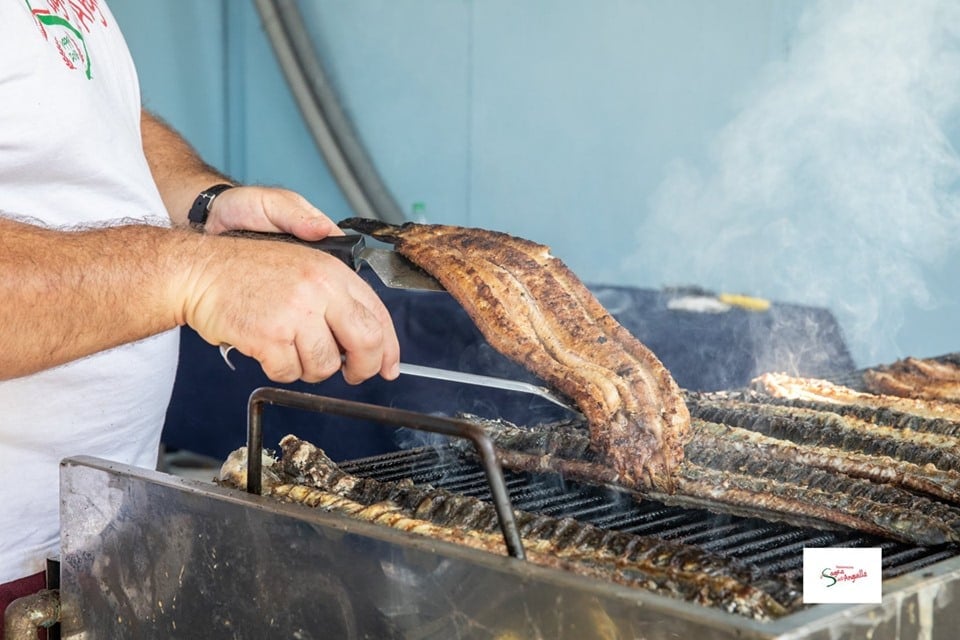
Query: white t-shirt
x,y
71,154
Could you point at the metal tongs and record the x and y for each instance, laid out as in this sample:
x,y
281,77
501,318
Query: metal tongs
x,y
447,375
485,381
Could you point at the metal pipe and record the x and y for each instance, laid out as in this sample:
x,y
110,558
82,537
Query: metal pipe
x,y
385,415
27,614
329,125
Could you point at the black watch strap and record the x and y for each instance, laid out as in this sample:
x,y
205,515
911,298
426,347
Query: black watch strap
x,y
201,206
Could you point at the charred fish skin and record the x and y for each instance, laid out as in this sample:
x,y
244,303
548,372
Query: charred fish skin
x,y
925,479
533,309
565,441
881,509
666,567
810,427
733,597
782,385
878,415
724,476
930,379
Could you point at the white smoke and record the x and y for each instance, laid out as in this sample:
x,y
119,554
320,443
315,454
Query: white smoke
x,y
837,184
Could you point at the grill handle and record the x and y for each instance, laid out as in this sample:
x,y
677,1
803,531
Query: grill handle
x,y
386,415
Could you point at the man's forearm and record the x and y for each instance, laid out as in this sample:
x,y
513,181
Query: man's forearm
x,y
68,294
177,169
301,313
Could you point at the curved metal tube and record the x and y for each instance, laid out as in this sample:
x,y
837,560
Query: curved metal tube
x,y
27,614
332,131
388,416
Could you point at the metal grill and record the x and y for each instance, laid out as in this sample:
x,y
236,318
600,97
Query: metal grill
x,y
257,567
774,549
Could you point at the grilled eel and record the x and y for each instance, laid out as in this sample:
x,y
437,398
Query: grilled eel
x,y
942,484
819,428
863,413
305,475
533,309
810,389
728,471
927,379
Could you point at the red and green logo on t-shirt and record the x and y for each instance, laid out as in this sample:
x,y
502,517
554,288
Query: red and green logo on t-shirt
x,y
63,23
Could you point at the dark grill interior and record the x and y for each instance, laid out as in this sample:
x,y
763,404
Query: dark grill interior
x,y
773,549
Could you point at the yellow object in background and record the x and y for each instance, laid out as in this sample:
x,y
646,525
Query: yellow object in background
x,y
745,302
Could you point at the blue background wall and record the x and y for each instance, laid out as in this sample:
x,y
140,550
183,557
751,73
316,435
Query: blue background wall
x,y
563,121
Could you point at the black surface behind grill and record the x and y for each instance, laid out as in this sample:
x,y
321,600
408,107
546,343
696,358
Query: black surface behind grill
x,y
774,549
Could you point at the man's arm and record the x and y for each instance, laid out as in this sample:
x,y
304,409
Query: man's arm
x,y
68,294
177,169
181,174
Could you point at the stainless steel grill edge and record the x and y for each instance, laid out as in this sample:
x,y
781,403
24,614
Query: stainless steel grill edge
x,y
149,555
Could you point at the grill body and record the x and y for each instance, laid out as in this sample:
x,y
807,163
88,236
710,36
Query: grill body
x,y
149,555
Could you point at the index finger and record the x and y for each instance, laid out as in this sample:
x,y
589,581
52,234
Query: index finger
x,y
364,330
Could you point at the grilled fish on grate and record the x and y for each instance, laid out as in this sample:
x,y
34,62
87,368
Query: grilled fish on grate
x,y
827,429
724,471
930,379
924,479
306,476
533,309
781,385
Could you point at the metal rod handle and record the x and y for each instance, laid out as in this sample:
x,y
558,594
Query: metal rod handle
x,y
386,415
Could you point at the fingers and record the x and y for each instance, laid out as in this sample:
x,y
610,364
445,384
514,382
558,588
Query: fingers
x,y
352,338
312,358
295,310
367,342
289,212
389,365
271,210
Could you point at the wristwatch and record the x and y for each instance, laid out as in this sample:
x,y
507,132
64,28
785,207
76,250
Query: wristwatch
x,y
201,206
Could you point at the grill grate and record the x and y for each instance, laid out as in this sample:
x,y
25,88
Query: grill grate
x,y
771,548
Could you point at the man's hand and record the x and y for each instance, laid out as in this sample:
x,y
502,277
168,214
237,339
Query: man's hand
x,y
69,294
180,175
308,315
268,209
293,309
